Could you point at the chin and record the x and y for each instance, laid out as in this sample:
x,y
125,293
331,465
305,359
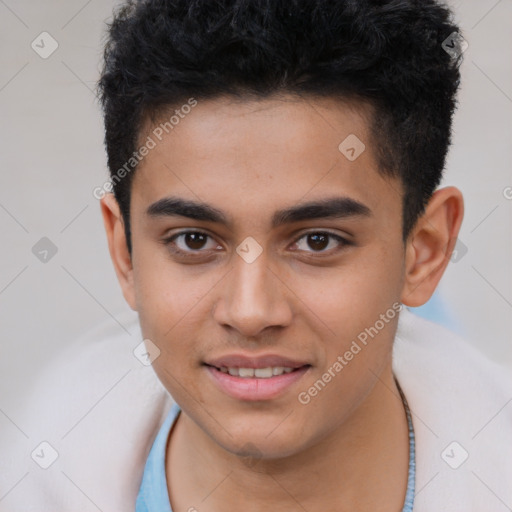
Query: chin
x,y
265,442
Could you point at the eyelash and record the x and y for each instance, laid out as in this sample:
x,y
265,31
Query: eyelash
x,y
169,243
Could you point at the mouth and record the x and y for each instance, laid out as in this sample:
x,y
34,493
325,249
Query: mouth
x,y
258,373
251,379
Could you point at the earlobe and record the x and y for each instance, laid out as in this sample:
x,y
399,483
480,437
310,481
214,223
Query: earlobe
x,y
430,245
116,237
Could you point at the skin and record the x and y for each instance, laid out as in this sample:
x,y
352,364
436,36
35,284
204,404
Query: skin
x,y
347,449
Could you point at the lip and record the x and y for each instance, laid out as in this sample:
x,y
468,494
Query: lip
x,y
254,388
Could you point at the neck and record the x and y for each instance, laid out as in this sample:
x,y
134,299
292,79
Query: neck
x,y
362,465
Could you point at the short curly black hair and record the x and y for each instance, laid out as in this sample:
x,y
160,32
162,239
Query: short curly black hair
x,y
386,53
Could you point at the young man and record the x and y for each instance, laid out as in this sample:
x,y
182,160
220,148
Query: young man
x,y
281,210
275,167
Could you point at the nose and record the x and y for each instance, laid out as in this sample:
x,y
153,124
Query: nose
x,y
253,298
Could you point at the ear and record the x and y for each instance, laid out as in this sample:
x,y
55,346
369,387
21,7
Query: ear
x,y
430,245
114,227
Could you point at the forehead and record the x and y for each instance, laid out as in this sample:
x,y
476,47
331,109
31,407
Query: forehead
x,y
252,155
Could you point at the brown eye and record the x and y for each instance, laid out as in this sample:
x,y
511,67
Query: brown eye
x,y
191,243
195,241
320,242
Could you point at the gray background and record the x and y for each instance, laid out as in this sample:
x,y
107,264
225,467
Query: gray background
x,y
52,158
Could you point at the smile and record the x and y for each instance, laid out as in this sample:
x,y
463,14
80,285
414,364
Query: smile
x,y
255,384
259,373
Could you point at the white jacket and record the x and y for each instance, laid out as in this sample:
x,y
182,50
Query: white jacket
x,y
99,409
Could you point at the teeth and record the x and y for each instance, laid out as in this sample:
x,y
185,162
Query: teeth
x,y
260,373
263,373
246,372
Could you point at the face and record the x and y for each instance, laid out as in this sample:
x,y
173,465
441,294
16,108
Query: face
x,y
257,244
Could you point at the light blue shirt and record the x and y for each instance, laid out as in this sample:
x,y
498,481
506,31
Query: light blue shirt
x,y
153,495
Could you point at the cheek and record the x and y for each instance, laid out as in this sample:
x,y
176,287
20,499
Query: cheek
x,y
350,297
171,304
170,319
164,291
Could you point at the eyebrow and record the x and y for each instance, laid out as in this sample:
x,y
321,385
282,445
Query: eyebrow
x,y
330,208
